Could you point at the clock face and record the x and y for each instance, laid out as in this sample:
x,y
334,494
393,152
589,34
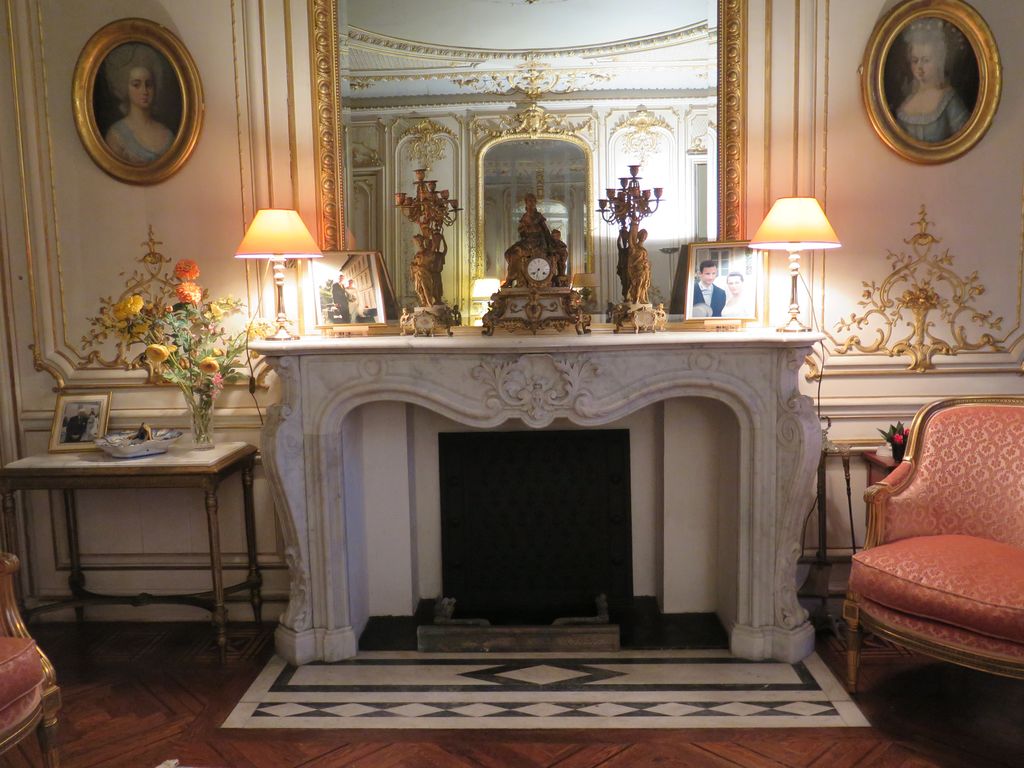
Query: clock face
x,y
538,269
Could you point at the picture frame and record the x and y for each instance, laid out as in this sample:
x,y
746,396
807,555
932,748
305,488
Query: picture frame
x,y
370,295
78,420
738,285
931,79
137,100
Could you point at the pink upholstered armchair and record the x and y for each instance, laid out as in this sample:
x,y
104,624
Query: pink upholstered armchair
x,y
942,570
29,696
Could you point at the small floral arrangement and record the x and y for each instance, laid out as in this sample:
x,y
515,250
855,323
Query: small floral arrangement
x,y
896,436
186,341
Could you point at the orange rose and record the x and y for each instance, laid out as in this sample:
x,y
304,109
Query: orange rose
x,y
186,269
189,293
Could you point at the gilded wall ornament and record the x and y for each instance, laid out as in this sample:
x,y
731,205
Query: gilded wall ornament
x,y
427,144
532,78
153,284
922,291
642,136
533,120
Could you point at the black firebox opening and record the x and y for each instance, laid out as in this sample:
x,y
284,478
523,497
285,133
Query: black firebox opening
x,y
534,525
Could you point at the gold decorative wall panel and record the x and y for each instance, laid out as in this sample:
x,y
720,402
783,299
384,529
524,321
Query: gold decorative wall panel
x,y
921,291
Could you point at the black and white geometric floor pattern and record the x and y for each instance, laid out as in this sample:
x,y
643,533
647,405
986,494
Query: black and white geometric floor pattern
x,y
626,689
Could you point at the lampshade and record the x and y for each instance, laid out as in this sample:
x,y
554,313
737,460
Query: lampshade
x,y
584,280
795,224
485,287
276,233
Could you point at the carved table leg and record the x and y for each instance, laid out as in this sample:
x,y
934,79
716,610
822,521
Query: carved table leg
x,y
76,579
219,611
9,535
254,578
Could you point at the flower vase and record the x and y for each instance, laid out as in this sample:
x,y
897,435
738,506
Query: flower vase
x,y
200,408
897,451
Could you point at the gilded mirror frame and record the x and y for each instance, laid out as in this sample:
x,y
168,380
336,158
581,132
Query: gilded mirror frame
x,y
732,52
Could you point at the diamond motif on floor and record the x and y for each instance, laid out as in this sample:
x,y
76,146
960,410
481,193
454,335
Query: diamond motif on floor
x,y
738,708
674,709
541,710
544,674
414,710
286,710
350,710
477,710
607,709
803,708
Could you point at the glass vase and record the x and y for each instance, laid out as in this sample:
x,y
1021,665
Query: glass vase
x,y
200,407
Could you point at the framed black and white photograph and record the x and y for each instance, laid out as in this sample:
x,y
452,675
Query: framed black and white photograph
x,y
931,79
352,287
137,101
78,420
721,280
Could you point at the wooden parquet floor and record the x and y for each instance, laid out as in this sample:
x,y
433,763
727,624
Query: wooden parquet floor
x,y
136,695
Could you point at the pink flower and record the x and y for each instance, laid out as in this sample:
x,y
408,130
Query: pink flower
x,y
897,439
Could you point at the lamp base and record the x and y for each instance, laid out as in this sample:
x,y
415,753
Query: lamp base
x,y
283,333
793,325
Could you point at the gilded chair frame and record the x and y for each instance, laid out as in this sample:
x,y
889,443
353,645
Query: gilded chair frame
x,y
44,718
876,497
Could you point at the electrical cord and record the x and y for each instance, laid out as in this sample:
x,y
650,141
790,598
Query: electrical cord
x,y
248,355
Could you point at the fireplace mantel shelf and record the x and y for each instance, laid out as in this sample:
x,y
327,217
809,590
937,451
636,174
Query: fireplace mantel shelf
x,y
481,382
473,343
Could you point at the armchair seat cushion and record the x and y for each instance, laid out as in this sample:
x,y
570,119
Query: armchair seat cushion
x,y
21,680
965,581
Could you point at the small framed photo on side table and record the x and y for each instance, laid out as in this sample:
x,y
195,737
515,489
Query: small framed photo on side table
x,y
78,420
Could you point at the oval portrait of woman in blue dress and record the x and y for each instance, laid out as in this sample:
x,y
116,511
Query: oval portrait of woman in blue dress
x,y
931,80
137,101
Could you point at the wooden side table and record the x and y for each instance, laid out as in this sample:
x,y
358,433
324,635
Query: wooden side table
x,y
879,467
178,468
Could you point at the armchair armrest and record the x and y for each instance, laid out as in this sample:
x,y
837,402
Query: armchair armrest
x,y
11,624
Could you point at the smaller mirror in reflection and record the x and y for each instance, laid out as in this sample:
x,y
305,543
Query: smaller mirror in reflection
x,y
548,175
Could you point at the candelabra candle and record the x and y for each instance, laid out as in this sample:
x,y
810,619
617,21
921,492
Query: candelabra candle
x,y
430,208
630,204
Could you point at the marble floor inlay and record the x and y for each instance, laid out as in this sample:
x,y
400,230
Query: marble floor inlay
x,y
627,689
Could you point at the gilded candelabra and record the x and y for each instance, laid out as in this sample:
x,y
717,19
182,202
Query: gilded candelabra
x,y
431,210
627,207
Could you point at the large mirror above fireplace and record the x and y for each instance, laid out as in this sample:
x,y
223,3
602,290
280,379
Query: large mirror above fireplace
x,y
429,85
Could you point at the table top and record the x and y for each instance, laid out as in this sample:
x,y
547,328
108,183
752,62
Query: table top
x,y
177,461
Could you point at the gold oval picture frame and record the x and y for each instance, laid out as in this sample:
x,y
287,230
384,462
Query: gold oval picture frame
x,y
931,79
137,101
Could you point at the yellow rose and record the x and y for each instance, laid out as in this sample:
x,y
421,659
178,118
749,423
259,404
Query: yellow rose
x,y
135,304
157,353
209,365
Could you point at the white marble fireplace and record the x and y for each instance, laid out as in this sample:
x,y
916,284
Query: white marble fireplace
x,y
344,453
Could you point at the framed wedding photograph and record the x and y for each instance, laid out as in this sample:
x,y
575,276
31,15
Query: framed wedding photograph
x,y
721,280
931,79
137,101
78,420
352,287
